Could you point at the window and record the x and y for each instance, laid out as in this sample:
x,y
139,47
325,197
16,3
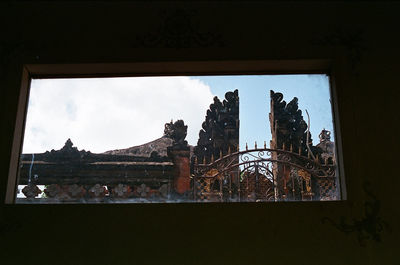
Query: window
x,y
178,138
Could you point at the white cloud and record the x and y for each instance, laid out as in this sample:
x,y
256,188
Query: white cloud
x,y
111,113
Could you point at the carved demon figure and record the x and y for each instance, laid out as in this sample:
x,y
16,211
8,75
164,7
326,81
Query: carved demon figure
x,y
177,132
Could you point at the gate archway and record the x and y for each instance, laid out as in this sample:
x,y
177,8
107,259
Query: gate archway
x,y
263,174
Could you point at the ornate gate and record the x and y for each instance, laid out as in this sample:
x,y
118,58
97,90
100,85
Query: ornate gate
x,y
264,174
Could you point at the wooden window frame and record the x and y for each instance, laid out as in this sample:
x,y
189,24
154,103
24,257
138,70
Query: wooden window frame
x,y
240,67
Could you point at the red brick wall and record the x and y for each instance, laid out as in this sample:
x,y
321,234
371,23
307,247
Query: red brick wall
x,y
182,170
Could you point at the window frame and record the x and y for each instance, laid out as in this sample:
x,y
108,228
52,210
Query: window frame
x,y
232,67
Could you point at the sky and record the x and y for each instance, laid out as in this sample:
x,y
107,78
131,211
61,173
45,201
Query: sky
x,y
312,91
101,114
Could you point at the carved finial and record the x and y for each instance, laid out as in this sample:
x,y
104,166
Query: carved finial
x,y
68,144
247,148
291,147
255,145
283,146
220,153
324,136
68,147
204,160
177,132
299,150
265,145
229,150
212,158
238,148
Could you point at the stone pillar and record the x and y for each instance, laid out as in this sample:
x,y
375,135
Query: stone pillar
x,y
181,160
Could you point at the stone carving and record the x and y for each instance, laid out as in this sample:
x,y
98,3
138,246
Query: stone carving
x,y
288,126
31,191
121,191
325,136
177,132
67,153
143,190
290,132
76,191
163,190
98,191
70,154
220,130
288,123
326,147
52,190
64,192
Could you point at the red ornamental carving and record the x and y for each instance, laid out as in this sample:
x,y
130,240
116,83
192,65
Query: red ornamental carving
x,y
122,191
75,191
52,190
98,191
143,190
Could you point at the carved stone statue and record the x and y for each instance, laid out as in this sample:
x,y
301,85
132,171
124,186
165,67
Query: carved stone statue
x,y
324,136
288,124
326,146
220,130
177,132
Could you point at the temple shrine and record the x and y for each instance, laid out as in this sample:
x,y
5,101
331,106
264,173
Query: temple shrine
x,y
168,169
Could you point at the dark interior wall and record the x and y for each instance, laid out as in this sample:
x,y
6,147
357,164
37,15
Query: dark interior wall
x,y
360,36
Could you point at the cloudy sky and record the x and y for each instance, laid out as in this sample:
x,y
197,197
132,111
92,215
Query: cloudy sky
x,y
101,114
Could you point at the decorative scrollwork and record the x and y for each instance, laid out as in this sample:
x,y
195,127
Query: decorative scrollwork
x,y
369,227
309,166
178,29
261,164
245,157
